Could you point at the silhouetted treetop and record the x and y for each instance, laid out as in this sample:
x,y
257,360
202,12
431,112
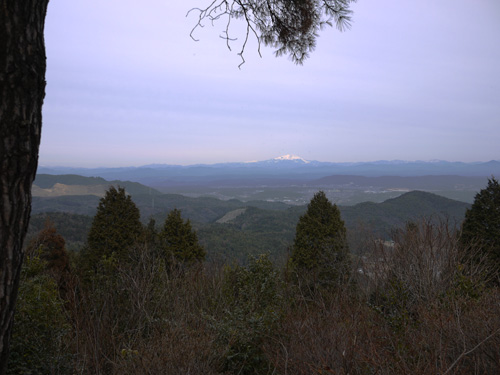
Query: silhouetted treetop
x,y
290,26
179,240
482,224
115,228
320,246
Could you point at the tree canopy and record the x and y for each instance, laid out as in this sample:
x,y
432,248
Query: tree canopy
x,y
481,226
179,241
115,228
289,26
320,244
50,247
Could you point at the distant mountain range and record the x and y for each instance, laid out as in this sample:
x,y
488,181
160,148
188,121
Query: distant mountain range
x,y
287,169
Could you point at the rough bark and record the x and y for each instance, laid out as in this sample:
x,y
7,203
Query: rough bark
x,y
22,89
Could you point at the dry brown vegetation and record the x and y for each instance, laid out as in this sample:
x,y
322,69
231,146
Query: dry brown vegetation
x,y
418,306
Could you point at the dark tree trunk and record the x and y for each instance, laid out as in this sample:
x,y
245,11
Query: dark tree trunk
x,y
22,89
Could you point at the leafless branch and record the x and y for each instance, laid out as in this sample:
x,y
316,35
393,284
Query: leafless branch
x,y
289,26
466,353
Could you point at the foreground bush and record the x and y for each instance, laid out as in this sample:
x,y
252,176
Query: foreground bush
x,y
247,315
41,334
415,306
421,308
145,320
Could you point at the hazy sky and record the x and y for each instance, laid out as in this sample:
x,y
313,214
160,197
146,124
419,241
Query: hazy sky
x,y
412,80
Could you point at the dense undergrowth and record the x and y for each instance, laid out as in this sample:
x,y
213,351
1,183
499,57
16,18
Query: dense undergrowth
x,y
420,305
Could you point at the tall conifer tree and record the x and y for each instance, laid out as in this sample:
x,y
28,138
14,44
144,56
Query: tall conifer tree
x,y
320,249
481,227
116,227
179,241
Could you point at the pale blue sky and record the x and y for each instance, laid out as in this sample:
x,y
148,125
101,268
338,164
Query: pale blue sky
x,y
412,80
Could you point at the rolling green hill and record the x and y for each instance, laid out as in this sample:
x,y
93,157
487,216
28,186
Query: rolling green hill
x,y
382,217
74,204
258,227
46,181
256,230
46,185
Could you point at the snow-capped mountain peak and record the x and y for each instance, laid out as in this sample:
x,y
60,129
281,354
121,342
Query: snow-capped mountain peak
x,y
291,158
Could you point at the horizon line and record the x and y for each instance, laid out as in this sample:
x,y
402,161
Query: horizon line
x,y
430,161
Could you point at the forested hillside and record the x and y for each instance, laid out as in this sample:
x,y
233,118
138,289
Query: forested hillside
x,y
230,299
381,218
70,184
73,227
260,227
